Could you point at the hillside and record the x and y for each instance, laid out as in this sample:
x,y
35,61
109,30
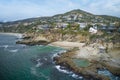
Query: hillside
x,y
83,16
73,16
110,18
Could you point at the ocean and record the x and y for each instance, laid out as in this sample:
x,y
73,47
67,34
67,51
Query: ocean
x,y
22,62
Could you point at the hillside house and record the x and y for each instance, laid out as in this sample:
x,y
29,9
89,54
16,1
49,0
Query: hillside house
x,y
82,25
107,28
44,27
61,25
93,30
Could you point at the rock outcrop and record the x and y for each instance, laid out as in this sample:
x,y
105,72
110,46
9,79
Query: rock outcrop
x,y
89,72
33,40
96,55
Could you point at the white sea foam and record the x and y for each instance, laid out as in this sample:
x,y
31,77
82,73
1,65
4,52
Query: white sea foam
x,y
58,52
19,36
76,76
38,60
38,64
58,67
13,50
45,59
62,70
54,55
5,46
61,51
23,45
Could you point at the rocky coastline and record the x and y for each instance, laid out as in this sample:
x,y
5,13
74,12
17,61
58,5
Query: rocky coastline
x,y
97,55
98,61
28,42
89,72
32,39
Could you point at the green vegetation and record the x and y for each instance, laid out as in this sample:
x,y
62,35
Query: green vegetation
x,y
74,29
110,18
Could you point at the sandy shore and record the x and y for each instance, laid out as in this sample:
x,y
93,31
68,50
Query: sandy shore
x,y
19,35
67,45
87,52
83,52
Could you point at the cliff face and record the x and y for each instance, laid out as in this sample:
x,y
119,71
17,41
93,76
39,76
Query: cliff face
x,y
52,37
56,35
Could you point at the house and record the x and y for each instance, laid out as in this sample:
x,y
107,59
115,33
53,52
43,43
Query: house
x,y
108,28
93,30
44,27
61,25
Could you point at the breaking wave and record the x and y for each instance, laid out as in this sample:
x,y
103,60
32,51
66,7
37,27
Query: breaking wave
x,y
58,52
38,63
16,50
58,67
4,46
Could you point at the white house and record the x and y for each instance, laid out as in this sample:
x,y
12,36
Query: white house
x,y
93,30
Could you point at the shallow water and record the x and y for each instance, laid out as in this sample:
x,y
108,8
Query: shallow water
x,y
81,62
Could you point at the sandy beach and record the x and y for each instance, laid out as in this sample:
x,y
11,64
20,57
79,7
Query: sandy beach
x,y
87,52
83,52
67,45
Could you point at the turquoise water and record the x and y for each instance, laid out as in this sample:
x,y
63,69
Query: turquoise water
x,y
20,62
81,62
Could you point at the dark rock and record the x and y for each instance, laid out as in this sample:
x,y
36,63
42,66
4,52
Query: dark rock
x,y
32,42
113,68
